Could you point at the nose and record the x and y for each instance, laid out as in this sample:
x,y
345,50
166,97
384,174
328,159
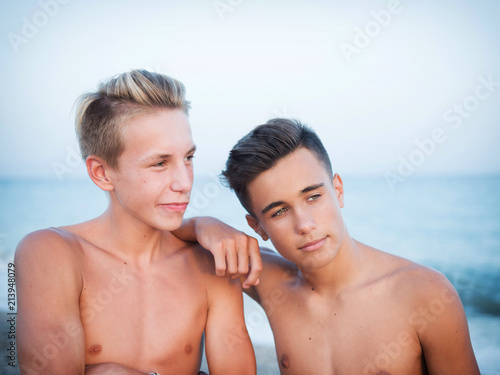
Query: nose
x,y
305,222
182,179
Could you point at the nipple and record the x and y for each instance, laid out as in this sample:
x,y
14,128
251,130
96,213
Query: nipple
x,y
95,349
188,349
285,362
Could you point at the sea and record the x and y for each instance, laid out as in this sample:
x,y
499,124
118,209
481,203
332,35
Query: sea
x,y
451,224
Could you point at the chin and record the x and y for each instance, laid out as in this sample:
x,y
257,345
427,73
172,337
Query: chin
x,y
170,225
317,259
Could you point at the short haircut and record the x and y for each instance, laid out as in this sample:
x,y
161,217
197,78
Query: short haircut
x,y
100,115
263,147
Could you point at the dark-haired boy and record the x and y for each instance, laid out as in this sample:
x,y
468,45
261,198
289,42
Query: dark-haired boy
x,y
335,305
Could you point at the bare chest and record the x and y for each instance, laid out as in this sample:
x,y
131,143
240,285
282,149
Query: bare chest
x,y
142,319
356,336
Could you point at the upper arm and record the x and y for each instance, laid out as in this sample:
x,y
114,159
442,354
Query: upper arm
x,y
445,337
50,334
228,346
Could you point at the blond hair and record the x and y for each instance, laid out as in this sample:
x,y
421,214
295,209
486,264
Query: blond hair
x,y
100,115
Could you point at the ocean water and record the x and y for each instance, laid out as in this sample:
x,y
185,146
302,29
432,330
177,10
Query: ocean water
x,y
451,224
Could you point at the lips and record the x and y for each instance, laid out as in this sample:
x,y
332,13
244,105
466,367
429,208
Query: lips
x,y
175,206
313,245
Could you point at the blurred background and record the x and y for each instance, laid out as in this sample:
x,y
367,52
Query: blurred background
x,y
404,94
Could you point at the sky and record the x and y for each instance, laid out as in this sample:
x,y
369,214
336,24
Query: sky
x,y
395,89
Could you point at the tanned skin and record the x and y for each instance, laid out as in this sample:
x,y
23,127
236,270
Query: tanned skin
x,y
120,294
337,306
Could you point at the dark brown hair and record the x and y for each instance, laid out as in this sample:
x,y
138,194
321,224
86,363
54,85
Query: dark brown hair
x,y
263,147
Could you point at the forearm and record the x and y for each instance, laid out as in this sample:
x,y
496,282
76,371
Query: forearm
x,y
234,252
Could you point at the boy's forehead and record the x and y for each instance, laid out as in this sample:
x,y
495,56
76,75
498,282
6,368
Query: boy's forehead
x,y
164,131
289,175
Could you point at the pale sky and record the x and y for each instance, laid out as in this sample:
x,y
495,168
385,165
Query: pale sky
x,y
375,79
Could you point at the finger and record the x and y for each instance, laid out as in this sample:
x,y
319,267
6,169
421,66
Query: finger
x,y
241,248
231,260
220,262
255,264
243,258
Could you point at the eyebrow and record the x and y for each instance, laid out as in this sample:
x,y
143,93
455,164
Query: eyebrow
x,y
279,203
271,206
311,188
167,156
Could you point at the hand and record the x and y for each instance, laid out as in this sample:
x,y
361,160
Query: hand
x,y
235,253
111,368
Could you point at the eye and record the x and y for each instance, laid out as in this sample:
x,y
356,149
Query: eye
x,y
160,164
314,197
189,159
280,212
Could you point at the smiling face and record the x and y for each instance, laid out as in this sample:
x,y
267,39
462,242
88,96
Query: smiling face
x,y
297,205
155,172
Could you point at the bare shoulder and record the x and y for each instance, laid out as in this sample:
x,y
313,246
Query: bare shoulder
x,y
424,303
425,286
274,264
197,257
47,255
276,270
48,243
201,267
49,274
412,282
200,262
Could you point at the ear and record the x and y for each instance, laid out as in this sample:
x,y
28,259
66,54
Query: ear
x,y
254,224
97,170
338,185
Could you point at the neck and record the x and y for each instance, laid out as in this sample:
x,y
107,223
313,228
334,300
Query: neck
x,y
130,239
342,270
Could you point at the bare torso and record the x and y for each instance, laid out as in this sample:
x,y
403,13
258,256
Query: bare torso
x,y
150,319
370,327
